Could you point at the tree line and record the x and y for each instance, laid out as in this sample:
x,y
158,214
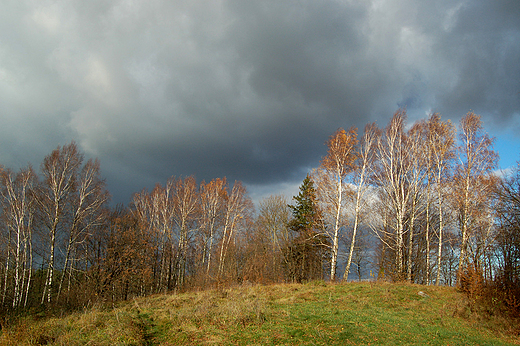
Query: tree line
x,y
426,194
418,203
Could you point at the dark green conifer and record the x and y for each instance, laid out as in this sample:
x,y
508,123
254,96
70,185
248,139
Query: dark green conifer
x,y
307,253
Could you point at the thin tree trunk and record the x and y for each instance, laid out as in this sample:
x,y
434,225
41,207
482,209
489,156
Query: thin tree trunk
x,y
7,262
71,269
464,226
441,225
356,222
427,232
17,262
352,244
336,231
65,269
29,276
400,245
24,271
47,290
209,251
410,246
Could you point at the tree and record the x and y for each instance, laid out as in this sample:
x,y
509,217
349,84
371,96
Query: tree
x,y
361,251
507,278
414,179
272,223
127,269
212,198
155,214
18,212
471,181
59,170
307,249
398,174
263,256
87,207
185,200
71,202
440,142
238,207
391,178
331,190
365,158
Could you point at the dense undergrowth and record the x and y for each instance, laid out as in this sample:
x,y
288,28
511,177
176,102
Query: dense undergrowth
x,y
316,313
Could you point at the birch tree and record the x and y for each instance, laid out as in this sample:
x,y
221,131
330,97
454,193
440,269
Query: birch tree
x,y
237,208
365,160
59,170
393,165
330,181
273,217
508,240
185,199
155,212
212,198
162,205
18,210
441,142
87,212
417,161
476,162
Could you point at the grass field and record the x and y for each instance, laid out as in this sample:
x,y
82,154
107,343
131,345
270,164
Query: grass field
x,y
316,313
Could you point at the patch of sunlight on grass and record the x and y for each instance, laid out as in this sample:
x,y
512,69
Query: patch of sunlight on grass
x,y
315,313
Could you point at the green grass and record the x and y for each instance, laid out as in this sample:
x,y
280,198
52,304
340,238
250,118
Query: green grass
x,y
309,314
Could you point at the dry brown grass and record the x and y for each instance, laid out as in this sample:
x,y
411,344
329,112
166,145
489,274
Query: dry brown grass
x,y
314,313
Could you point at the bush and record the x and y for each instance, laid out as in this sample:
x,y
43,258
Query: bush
x,y
497,298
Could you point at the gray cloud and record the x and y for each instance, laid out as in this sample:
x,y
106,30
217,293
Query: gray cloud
x,y
247,90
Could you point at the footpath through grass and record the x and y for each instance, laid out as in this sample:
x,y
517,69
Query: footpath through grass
x,y
311,314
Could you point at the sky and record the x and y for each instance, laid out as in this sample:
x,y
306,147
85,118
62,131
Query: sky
x,y
248,90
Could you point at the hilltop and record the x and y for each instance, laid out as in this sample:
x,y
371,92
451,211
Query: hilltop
x,y
316,313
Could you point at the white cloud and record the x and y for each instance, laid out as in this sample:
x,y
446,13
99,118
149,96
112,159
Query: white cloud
x,y
450,18
48,19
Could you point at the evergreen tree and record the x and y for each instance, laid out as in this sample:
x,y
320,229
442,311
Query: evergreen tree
x,y
308,251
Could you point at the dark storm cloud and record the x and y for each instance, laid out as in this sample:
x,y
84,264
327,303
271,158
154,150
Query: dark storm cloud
x,y
482,46
245,89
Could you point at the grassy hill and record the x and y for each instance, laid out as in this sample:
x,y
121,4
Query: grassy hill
x,y
310,314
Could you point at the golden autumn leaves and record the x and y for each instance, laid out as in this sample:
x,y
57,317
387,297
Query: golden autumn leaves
x,y
420,189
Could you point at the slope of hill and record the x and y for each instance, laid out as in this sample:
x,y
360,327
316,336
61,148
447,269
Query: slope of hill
x,y
315,314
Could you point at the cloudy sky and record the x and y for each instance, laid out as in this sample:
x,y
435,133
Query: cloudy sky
x,y
249,90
